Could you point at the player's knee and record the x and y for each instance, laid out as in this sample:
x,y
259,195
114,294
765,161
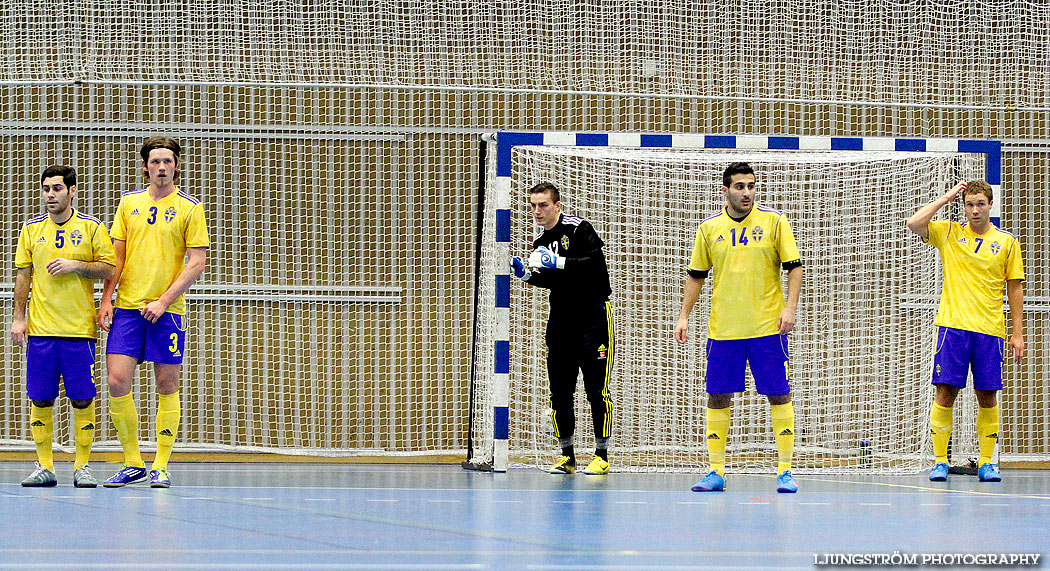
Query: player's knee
x,y
43,403
719,400
80,403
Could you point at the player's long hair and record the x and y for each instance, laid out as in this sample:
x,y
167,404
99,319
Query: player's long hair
x,y
162,143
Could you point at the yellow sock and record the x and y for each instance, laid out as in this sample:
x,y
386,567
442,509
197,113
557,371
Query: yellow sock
x,y
84,425
940,431
126,421
784,433
717,433
42,425
987,433
169,413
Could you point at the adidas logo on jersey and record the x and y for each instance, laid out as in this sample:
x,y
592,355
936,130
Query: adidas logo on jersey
x,y
165,432
41,240
962,240
602,351
787,432
134,212
720,239
176,353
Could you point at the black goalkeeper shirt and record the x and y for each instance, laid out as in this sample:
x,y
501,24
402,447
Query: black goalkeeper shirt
x,y
585,278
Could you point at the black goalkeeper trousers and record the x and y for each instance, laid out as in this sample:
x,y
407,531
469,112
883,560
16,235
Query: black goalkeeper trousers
x,y
583,343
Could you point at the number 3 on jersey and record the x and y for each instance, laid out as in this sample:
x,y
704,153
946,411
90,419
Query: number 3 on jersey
x,y
152,215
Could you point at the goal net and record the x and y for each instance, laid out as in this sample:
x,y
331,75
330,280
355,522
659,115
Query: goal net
x,y
860,355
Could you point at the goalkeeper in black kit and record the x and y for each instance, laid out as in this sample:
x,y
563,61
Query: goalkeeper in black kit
x,y
568,260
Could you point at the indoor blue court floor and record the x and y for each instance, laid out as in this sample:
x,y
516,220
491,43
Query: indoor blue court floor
x,y
356,516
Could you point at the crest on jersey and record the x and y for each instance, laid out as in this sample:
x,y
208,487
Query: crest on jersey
x,y
996,246
169,214
76,237
756,233
564,242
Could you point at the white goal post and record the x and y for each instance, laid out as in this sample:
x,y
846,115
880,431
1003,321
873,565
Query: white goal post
x,y
862,350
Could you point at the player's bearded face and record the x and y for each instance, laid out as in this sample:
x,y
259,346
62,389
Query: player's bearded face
x,y
740,194
57,196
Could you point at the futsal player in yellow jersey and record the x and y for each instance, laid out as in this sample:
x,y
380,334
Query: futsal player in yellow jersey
x,y
978,261
746,245
60,254
161,241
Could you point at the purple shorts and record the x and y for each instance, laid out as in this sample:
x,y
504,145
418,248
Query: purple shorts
x,y
767,356
133,335
71,357
960,351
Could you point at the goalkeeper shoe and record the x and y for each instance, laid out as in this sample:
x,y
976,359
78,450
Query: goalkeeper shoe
x,y
159,478
565,465
711,483
597,467
988,473
82,478
40,478
785,483
126,475
939,472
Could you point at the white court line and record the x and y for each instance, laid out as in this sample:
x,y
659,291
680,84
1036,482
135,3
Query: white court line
x,y
258,499
318,499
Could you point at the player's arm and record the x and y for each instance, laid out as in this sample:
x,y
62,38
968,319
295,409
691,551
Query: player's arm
x,y
920,221
187,277
105,308
694,280
93,270
19,323
786,322
1015,297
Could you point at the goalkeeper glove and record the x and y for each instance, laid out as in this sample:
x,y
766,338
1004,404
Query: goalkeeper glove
x,y
546,259
519,268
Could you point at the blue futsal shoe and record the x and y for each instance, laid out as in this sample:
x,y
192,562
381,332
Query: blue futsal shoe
x,y
939,472
785,483
988,473
126,475
159,478
711,483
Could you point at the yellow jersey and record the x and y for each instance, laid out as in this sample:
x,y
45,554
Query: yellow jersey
x,y
976,268
62,306
157,234
746,258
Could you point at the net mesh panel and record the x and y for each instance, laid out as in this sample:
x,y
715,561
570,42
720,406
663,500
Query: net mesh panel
x,y
861,353
74,75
